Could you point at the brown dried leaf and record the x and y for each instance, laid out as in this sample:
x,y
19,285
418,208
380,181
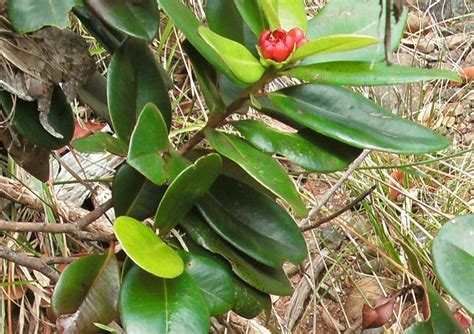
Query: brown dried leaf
x,y
379,315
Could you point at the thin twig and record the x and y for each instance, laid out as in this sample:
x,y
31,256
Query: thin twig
x,y
94,215
349,206
338,184
29,262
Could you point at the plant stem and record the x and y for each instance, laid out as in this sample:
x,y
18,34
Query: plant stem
x,y
218,119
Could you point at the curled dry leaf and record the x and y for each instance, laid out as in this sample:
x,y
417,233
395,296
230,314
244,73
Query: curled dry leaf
x,y
396,179
467,75
378,315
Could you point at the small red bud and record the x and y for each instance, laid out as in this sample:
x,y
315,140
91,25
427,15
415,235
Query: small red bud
x,y
278,45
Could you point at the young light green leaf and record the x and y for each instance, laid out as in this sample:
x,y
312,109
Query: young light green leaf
x,y
252,14
87,292
349,117
188,187
356,73
146,249
453,259
292,14
149,304
260,166
148,142
139,19
236,56
270,9
100,142
332,43
306,148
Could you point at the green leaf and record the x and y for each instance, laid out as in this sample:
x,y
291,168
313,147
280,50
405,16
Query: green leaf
x,y
225,25
146,249
356,73
453,259
134,80
292,14
260,166
186,21
266,279
87,292
257,226
351,118
139,19
188,187
270,9
214,281
331,44
306,148
148,142
133,195
207,78
354,17
100,142
150,304
31,15
237,57
252,14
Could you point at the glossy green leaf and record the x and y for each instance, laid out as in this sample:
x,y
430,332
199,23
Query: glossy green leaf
x,y
148,142
133,195
453,259
355,73
227,25
134,80
305,148
331,44
207,78
260,166
266,279
257,226
31,15
100,142
139,19
292,14
364,17
186,21
214,281
237,57
351,118
60,117
149,304
146,249
270,9
441,319
252,14
187,188
87,292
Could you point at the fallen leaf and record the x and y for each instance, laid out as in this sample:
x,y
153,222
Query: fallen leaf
x,y
379,315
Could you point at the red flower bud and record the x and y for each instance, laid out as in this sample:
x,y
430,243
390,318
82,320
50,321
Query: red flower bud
x,y
279,44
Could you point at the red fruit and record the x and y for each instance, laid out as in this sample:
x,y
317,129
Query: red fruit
x,y
277,45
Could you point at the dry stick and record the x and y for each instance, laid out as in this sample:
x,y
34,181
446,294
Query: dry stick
x,y
94,215
338,184
336,214
29,262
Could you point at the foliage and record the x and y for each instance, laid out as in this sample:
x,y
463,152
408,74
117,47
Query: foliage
x,y
240,236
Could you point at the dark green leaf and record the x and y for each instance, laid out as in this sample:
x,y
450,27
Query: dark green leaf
x,y
356,73
237,57
150,304
146,249
260,166
264,278
133,195
87,292
136,18
354,17
188,187
332,44
100,142
134,80
453,259
148,142
257,226
60,117
351,118
252,14
30,15
307,149
215,282
224,18
186,21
